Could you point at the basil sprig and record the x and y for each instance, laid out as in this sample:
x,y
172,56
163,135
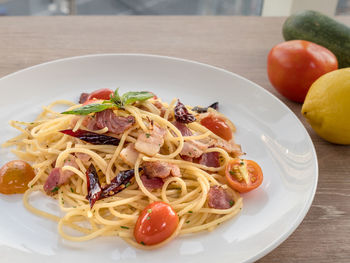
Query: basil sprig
x,y
90,108
115,101
133,96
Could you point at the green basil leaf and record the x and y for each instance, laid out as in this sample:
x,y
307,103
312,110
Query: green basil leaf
x,y
133,96
115,98
90,108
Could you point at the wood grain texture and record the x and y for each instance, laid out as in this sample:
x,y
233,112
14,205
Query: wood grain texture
x,y
238,44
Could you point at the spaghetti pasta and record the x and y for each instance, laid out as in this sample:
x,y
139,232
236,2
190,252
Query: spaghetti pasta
x,y
187,186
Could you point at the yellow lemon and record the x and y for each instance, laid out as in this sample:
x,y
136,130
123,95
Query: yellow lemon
x,y
327,106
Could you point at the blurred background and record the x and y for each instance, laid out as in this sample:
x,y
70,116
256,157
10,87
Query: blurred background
x,y
170,7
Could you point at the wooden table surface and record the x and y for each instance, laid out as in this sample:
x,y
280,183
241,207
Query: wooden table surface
x,y
238,44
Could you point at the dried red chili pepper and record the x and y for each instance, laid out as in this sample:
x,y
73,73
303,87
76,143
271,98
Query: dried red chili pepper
x,y
92,137
182,114
118,183
93,185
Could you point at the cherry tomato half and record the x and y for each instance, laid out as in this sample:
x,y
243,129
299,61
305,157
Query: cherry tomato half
x,y
294,65
101,94
236,179
15,176
218,126
156,223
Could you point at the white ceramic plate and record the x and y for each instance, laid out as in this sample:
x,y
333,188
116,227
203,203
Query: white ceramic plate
x,y
267,130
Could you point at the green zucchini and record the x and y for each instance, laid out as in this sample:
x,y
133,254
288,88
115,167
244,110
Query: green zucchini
x,y
320,29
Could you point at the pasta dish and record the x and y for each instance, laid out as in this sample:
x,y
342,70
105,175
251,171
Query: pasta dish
x,y
131,166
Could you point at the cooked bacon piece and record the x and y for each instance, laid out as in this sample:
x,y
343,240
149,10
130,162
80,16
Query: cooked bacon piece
x,y
193,149
83,157
152,183
150,143
74,121
186,158
157,130
185,131
90,123
181,113
57,177
160,107
67,174
210,159
228,146
160,169
83,97
53,181
219,198
115,124
129,154
190,149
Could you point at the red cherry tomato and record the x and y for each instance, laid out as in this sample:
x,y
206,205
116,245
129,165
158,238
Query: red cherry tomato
x,y
218,126
236,179
92,101
156,223
15,176
101,94
294,65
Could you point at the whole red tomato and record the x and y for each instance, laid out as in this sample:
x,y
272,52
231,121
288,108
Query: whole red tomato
x,y
294,65
157,222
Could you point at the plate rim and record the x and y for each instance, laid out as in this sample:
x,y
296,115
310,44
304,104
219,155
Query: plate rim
x,y
301,215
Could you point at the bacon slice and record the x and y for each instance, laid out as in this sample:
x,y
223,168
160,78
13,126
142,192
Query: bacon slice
x,y
152,183
129,154
219,198
193,149
150,143
186,158
210,159
160,107
187,150
83,157
228,146
57,177
115,124
90,123
74,121
52,181
160,169
67,174
185,131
